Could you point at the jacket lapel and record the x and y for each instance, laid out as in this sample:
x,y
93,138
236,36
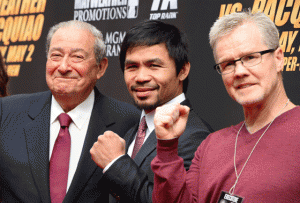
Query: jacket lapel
x,y
187,103
148,146
130,135
37,140
99,120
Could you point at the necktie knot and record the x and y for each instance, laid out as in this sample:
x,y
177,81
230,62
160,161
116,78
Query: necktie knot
x,y
64,120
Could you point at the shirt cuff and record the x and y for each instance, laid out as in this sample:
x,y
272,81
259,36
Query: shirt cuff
x,y
111,163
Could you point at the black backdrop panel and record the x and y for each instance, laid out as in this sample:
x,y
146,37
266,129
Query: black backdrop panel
x,y
24,25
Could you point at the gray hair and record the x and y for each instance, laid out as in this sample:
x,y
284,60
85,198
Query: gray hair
x,y
227,23
99,46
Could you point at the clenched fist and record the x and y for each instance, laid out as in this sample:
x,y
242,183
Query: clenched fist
x,y
170,120
108,147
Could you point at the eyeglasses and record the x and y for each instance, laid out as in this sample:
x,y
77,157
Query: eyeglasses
x,y
247,61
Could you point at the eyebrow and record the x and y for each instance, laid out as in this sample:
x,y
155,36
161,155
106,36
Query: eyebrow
x,y
243,55
129,62
55,49
157,60
72,50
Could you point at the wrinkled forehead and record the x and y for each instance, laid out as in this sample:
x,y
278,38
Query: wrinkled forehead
x,y
244,39
74,38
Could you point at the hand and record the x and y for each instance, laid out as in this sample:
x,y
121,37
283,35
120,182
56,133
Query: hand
x,y
108,147
170,120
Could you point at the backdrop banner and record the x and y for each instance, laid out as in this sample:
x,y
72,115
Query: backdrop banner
x,y
24,25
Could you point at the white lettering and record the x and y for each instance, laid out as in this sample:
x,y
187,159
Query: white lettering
x,y
78,4
231,198
119,2
155,16
94,3
173,4
114,38
113,50
164,5
104,3
155,5
170,15
101,14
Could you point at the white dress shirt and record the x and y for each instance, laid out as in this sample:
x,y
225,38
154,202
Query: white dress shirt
x,y
150,120
150,126
78,128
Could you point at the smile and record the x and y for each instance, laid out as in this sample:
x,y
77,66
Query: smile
x,y
243,86
144,91
140,88
65,78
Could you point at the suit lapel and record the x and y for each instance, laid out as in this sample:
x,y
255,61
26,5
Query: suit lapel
x,y
150,143
148,146
187,103
37,140
86,166
130,135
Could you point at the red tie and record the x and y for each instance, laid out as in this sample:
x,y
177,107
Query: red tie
x,y
141,133
59,162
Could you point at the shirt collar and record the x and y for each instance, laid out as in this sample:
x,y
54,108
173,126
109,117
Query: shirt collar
x,y
150,116
79,114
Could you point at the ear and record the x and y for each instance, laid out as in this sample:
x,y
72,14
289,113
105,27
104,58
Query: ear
x,y
279,58
102,67
184,72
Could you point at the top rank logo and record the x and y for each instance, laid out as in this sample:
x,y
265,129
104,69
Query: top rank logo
x,y
168,6
96,10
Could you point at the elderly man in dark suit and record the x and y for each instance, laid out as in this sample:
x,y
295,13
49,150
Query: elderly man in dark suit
x,y
154,59
45,138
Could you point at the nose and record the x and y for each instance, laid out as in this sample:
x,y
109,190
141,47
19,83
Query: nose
x,y
64,66
240,70
143,75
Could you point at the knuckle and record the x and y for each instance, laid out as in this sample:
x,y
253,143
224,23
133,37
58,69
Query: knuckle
x,y
168,119
99,138
92,150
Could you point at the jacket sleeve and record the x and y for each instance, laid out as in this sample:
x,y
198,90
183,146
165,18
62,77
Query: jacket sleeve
x,y
128,182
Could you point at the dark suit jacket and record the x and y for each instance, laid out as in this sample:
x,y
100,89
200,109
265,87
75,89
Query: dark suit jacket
x,y
132,180
24,147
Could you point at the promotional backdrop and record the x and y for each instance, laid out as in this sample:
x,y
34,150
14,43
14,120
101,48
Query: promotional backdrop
x,y
24,25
